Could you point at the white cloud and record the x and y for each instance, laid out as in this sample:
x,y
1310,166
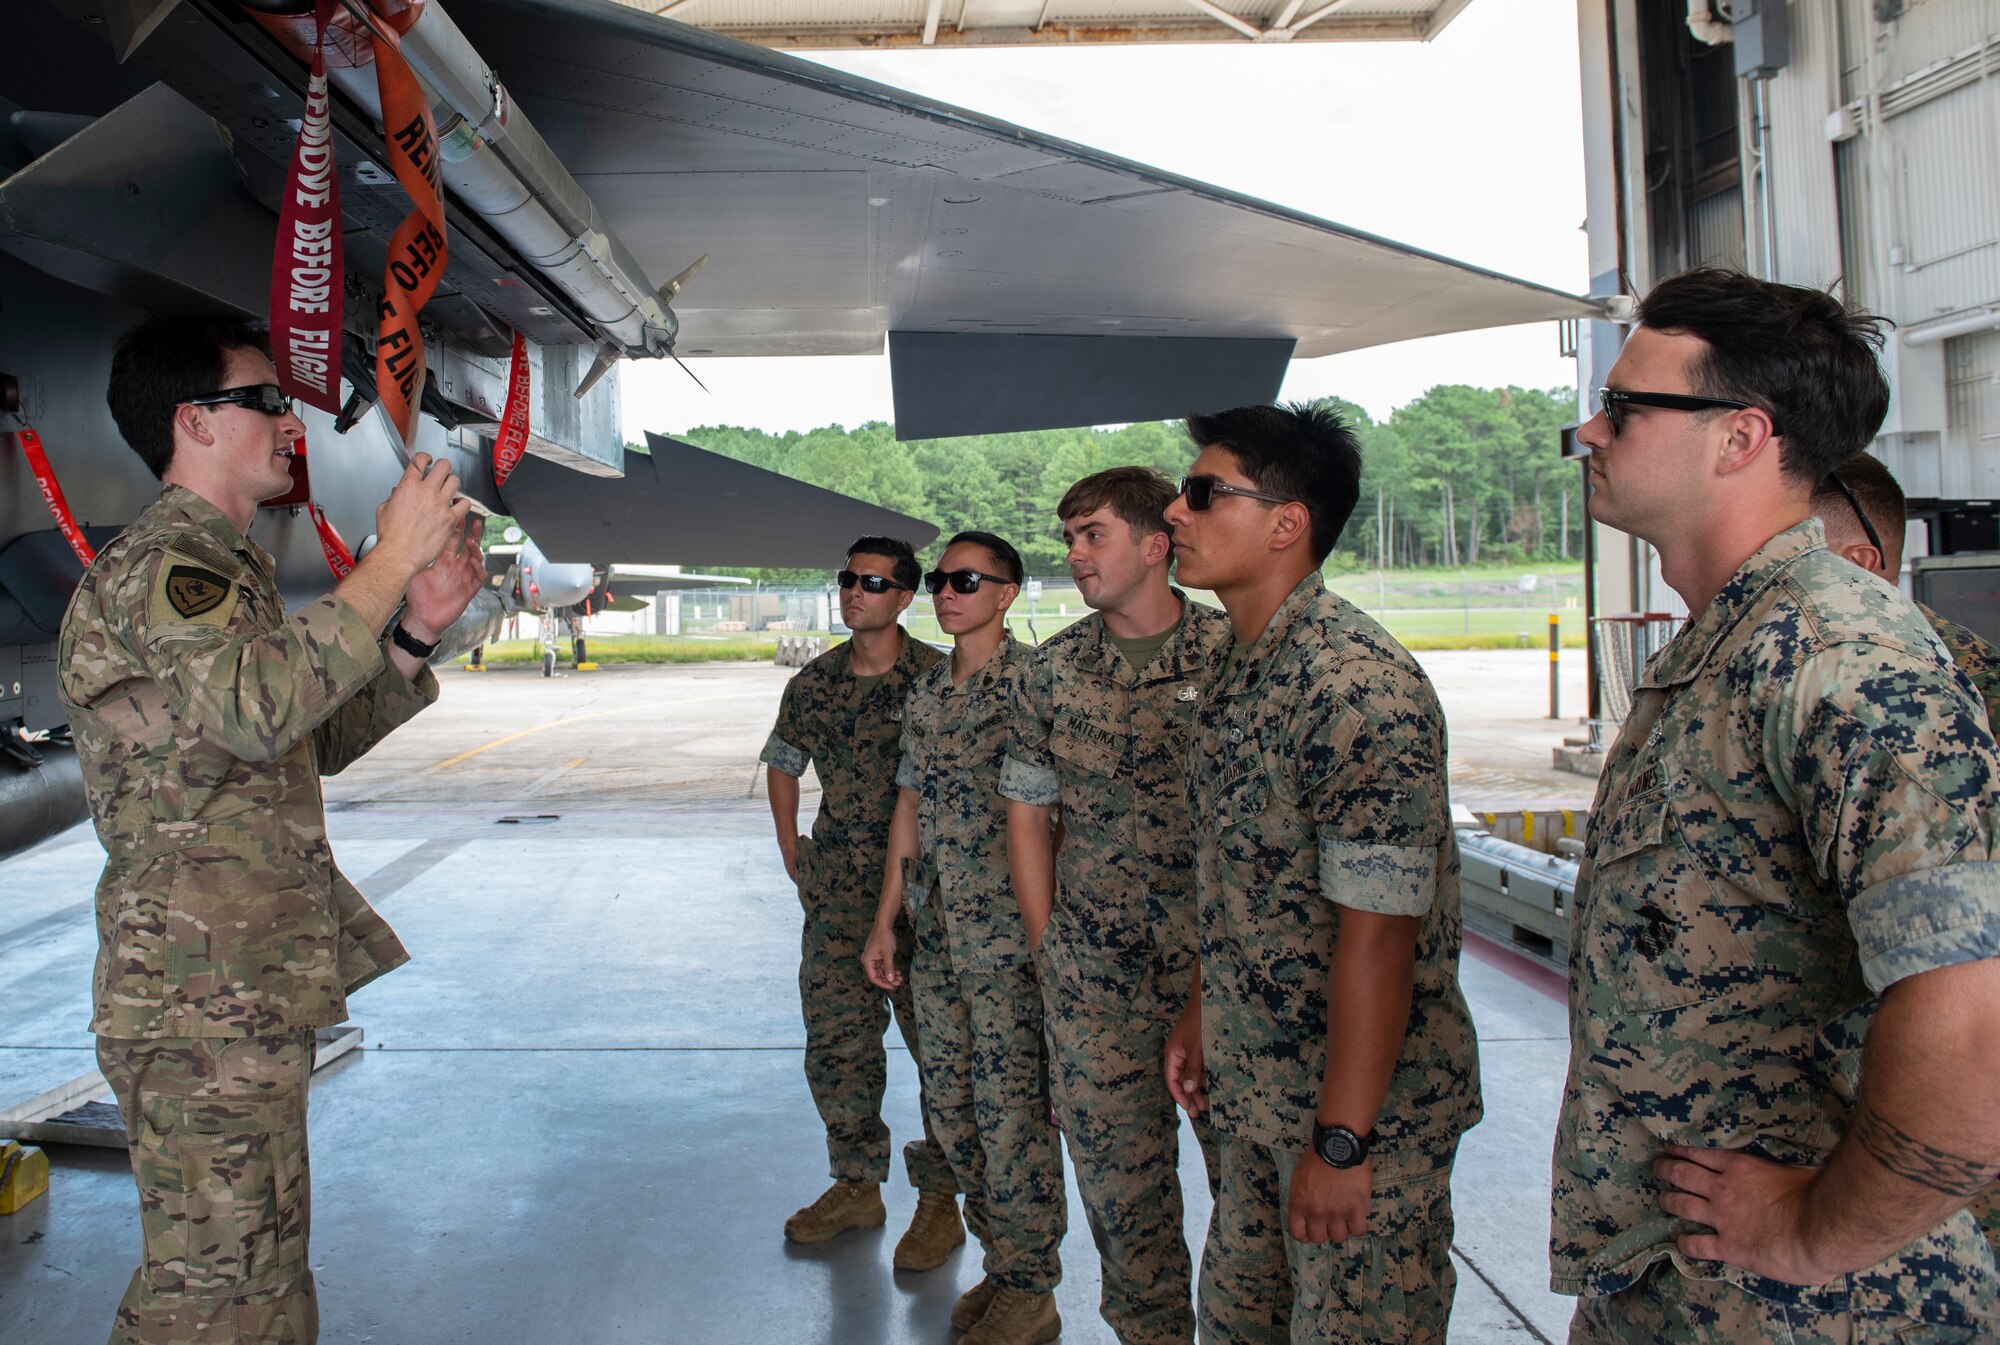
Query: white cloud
x,y
1469,146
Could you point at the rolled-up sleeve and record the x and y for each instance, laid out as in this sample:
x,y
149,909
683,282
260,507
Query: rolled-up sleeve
x,y
1371,766
781,750
1023,783
1893,774
1027,773
780,755
1925,920
1378,879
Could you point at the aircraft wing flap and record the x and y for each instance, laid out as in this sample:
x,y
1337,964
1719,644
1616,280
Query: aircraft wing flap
x,y
684,504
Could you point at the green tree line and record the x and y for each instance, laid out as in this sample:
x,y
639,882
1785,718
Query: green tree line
x,y
1460,476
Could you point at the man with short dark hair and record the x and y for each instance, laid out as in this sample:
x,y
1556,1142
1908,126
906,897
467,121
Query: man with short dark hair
x,y
843,714
1329,1038
979,1007
1100,729
1861,506
1784,1079
204,717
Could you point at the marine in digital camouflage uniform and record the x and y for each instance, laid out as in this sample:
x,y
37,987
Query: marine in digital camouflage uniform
x,y
1318,777
979,1005
1100,728
1862,508
1760,857
1323,839
851,730
1788,905
203,718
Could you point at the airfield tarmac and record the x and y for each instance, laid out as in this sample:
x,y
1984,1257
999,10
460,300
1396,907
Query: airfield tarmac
x,y
579,1115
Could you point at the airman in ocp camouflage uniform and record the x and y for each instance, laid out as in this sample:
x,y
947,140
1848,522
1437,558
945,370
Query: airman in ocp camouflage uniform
x,y
851,726
1788,909
979,1006
1865,515
204,718
1327,876
1100,729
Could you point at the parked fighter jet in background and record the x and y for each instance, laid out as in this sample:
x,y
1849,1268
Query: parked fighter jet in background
x,y
585,149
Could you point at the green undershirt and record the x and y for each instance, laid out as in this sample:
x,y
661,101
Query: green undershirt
x,y
1140,652
864,685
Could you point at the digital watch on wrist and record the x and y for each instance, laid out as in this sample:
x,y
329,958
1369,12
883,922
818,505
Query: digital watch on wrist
x,y
1339,1147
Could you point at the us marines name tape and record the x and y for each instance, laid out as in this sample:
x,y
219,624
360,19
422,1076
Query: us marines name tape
x,y
307,272
52,495
513,439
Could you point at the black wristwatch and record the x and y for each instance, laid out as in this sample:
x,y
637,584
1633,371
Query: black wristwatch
x,y
410,644
1339,1147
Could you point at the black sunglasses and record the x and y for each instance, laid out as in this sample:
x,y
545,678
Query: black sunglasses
x,y
870,583
1613,401
961,581
1200,492
1874,538
266,397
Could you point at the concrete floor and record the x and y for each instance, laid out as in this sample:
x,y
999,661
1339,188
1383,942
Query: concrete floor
x,y
580,1115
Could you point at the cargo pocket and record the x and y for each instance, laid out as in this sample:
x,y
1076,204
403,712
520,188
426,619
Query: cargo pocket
x,y
1399,1278
1656,927
806,863
223,1195
918,878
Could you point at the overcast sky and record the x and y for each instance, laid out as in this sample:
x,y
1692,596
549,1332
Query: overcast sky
x,y
1469,146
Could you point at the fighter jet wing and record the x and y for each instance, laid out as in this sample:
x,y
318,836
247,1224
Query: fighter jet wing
x,y
691,506
1022,281
664,579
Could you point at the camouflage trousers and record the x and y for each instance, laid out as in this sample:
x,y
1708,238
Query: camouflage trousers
x,y
218,1134
987,1097
1393,1287
846,1065
1669,1308
1123,1135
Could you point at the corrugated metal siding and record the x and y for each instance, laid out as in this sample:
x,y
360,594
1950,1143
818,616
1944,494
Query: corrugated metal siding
x,y
1858,260
1927,245
1802,173
1972,427
1715,227
1926,32
1947,155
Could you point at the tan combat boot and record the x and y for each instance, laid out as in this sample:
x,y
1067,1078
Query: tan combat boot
x,y
1016,1317
845,1205
972,1305
934,1231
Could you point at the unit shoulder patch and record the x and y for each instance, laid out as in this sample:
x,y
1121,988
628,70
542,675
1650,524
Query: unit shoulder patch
x,y
187,590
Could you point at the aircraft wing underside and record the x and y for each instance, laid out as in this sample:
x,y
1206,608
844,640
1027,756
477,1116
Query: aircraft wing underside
x,y
1028,281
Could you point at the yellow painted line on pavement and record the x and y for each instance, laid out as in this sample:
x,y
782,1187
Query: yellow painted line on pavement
x,y
519,734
